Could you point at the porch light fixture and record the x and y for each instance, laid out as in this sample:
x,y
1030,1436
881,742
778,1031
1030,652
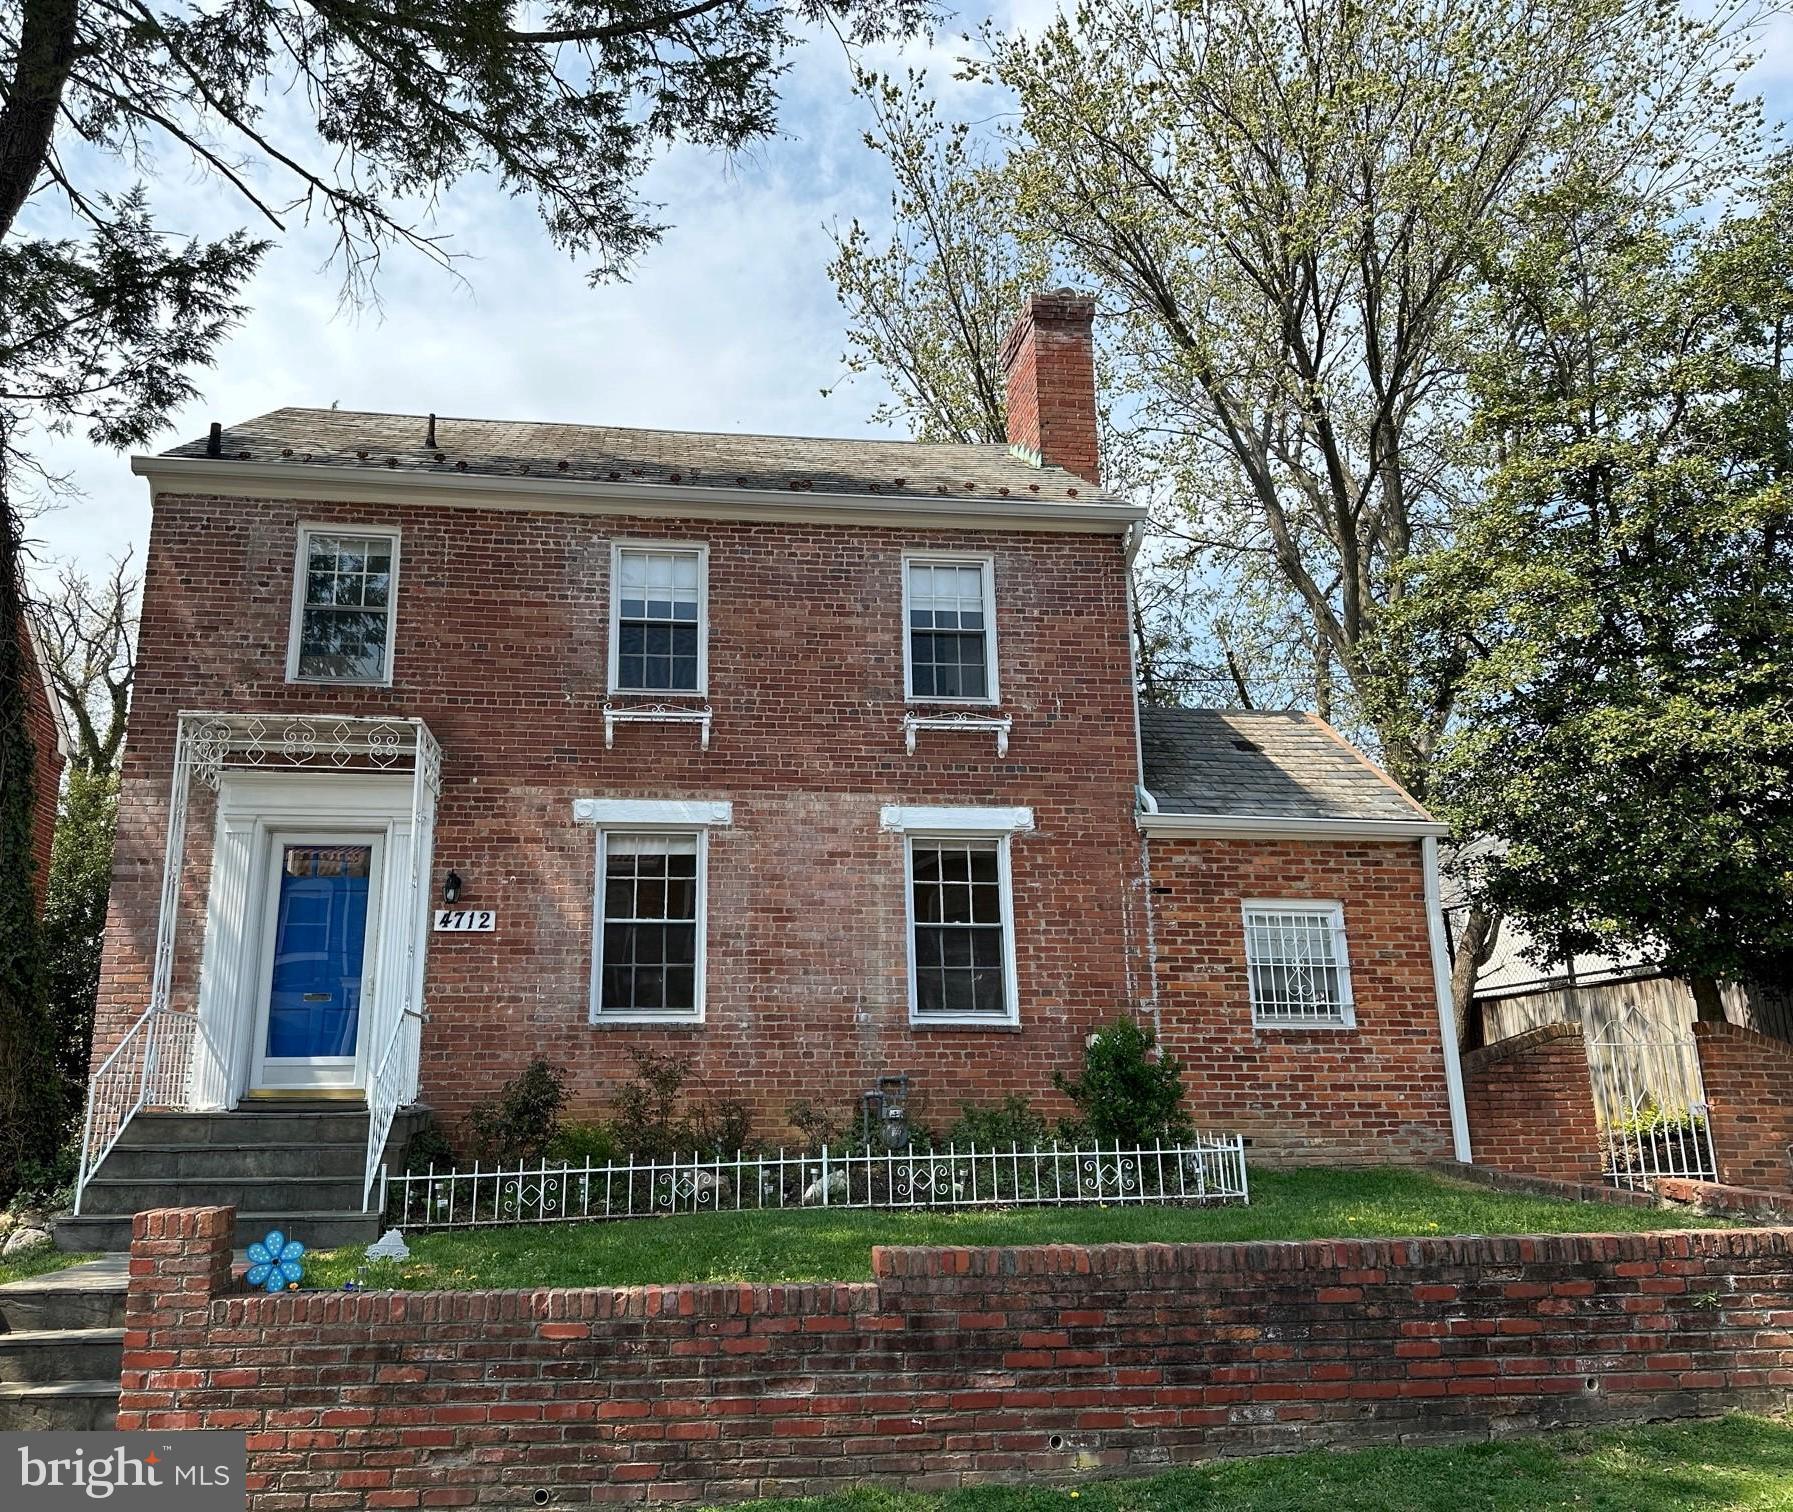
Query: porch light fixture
x,y
451,886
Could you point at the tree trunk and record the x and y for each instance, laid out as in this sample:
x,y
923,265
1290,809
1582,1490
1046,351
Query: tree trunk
x,y
1709,1004
41,66
1475,944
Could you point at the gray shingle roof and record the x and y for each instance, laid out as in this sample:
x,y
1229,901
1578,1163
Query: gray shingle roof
x,y
1245,763
595,453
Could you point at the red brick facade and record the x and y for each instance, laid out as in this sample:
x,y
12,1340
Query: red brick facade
x,y
1050,362
501,648
952,1367
1749,1089
1530,1103
46,750
1374,1093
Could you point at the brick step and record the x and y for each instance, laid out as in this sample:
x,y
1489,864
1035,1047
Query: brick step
x,y
108,1198
313,1230
47,1356
74,1406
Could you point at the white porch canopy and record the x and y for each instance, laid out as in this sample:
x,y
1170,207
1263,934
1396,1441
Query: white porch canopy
x,y
174,1055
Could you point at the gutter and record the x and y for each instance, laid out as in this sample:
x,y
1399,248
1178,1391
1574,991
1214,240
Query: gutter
x,y
1263,827
1441,983
289,480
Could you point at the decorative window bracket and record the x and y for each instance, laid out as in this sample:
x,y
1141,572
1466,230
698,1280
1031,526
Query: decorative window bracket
x,y
654,714
998,724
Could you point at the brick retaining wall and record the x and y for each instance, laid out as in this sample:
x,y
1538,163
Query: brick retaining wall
x,y
1531,1105
1749,1089
953,1366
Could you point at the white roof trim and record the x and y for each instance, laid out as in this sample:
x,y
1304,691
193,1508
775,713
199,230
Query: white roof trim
x,y
367,485
1263,827
955,821
679,813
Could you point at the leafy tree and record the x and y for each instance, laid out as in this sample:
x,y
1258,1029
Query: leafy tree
x,y
1288,214
1626,733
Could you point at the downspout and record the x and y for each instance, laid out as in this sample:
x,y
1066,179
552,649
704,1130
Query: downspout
x,y
1441,986
1142,797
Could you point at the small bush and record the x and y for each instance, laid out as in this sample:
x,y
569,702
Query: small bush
x,y
816,1125
1013,1121
428,1147
521,1124
580,1143
1128,1095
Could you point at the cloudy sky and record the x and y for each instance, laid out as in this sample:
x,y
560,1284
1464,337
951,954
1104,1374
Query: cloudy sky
x,y
729,324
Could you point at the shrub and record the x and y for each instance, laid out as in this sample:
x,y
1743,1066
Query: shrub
x,y
1013,1121
428,1147
1128,1095
582,1143
652,1122
521,1124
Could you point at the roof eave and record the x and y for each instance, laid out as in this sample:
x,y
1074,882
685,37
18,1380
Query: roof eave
x,y
1280,827
288,480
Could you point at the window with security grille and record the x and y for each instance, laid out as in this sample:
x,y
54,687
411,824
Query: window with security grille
x,y
951,630
659,612
960,916
1295,956
650,936
343,623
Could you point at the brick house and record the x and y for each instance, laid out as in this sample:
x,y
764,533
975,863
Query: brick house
x,y
813,759
50,750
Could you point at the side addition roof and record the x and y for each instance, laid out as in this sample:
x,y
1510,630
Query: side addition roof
x,y
1233,771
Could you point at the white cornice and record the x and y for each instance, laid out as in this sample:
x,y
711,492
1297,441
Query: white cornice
x,y
1259,827
688,813
905,819
295,480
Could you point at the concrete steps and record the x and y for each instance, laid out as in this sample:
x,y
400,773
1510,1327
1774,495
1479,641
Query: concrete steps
x,y
292,1165
62,1346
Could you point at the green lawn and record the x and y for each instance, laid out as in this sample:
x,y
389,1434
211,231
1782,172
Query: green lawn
x,y
836,1245
1735,1462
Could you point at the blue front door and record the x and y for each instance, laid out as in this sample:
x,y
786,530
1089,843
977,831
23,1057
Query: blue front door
x,y
319,949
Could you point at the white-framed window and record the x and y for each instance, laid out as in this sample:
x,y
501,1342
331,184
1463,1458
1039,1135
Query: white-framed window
x,y
659,618
961,929
1299,969
650,907
345,605
949,628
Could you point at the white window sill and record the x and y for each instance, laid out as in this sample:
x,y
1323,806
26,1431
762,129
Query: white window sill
x,y
340,682
1327,1026
988,1025
646,1021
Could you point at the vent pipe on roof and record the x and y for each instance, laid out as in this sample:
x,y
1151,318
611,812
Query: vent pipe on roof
x,y
429,439
214,441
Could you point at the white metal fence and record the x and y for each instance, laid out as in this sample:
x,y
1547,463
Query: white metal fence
x,y
1208,1168
1651,1102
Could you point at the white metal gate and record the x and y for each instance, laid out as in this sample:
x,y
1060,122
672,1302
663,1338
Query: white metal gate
x,y
1651,1102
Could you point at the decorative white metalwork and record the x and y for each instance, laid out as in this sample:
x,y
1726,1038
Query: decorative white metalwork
x,y
1650,1099
151,1064
1208,1168
976,723
615,714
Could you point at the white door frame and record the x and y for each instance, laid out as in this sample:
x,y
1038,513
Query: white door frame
x,y
260,1076
253,808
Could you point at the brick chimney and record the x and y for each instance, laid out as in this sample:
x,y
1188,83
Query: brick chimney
x,y
1049,357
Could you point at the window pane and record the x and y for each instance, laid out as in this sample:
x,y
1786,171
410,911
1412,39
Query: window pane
x,y
345,613
658,602
948,649
650,924
1293,966
957,906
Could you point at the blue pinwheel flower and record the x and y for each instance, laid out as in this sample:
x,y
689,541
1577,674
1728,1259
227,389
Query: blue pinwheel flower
x,y
274,1262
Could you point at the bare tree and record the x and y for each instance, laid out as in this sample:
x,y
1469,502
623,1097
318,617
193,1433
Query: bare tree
x,y
88,627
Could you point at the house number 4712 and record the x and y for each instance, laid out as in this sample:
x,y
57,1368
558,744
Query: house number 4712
x,y
464,920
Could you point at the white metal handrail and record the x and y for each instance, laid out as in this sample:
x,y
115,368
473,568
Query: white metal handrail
x,y
148,1068
1207,1168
